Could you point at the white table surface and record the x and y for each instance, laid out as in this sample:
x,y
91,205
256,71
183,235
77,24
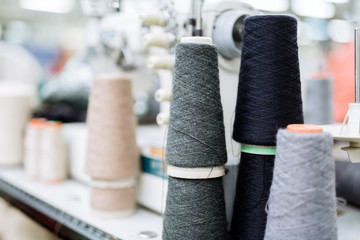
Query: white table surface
x,y
73,198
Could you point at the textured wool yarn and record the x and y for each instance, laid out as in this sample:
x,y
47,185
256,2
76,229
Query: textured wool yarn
x,y
269,83
196,130
195,208
302,202
318,101
347,181
112,151
269,97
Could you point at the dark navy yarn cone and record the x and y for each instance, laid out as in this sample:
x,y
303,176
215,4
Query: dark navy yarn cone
x,y
269,93
269,98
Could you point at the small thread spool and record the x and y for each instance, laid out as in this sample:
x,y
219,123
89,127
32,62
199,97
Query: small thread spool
x,y
112,151
53,165
32,147
163,95
15,105
162,40
163,118
153,19
302,201
161,62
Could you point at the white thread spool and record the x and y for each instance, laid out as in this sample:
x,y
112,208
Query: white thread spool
x,y
153,18
162,40
32,147
75,136
161,62
15,105
53,166
163,95
163,118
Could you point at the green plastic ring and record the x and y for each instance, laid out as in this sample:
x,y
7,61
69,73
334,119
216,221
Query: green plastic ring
x,y
260,150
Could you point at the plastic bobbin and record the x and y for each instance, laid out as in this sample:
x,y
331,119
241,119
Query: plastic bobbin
x,y
153,18
163,95
200,40
304,128
163,118
195,173
161,62
162,40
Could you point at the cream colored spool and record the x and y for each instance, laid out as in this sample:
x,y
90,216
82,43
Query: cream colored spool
x,y
53,165
163,95
15,109
32,151
112,151
161,62
163,118
113,203
153,18
157,40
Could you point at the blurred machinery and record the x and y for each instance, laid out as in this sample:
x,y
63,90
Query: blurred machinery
x,y
222,20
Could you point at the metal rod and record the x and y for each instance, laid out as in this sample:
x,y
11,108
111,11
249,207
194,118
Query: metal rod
x,y
356,42
198,27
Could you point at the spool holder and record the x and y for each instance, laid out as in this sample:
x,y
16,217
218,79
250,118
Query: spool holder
x,y
350,130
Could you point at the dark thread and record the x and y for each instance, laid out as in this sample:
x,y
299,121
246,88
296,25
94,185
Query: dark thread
x,y
269,98
195,209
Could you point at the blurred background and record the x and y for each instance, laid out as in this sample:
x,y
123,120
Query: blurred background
x,y
50,52
62,41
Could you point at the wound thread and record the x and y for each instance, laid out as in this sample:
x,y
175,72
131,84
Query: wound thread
x,y
302,202
196,131
195,208
112,151
269,97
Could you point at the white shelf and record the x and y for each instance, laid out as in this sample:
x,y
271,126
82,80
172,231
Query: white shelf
x,y
72,198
